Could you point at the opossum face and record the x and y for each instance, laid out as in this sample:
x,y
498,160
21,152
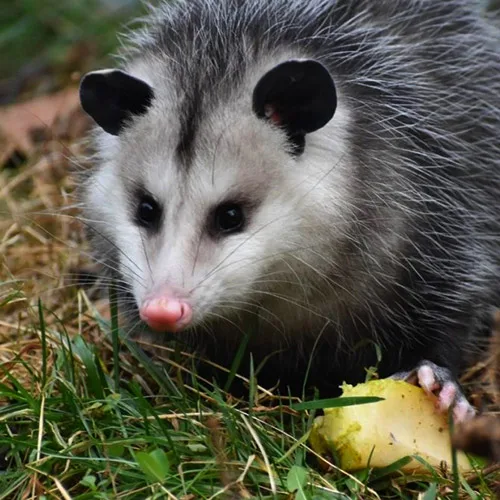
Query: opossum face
x,y
213,210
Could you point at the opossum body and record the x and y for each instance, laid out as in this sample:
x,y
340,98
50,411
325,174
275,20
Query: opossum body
x,y
323,176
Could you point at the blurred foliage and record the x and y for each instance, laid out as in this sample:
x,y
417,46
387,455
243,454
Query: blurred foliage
x,y
36,34
41,32
494,4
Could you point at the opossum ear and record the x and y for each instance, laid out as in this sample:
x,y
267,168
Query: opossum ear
x,y
111,97
298,95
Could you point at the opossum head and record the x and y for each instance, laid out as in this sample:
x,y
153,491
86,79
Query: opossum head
x,y
217,200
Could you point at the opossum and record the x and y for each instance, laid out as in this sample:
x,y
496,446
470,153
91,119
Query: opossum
x,y
319,177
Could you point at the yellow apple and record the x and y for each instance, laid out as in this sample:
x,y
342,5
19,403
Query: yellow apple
x,y
377,434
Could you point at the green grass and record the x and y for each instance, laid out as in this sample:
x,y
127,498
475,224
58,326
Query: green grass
x,y
36,32
93,422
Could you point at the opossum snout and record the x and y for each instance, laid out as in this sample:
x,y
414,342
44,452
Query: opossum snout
x,y
166,313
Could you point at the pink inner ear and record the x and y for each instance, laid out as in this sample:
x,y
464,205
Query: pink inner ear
x,y
272,114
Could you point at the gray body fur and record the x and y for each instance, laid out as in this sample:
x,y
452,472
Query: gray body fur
x,y
386,228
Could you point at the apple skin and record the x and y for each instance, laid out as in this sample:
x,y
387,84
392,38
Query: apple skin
x,y
377,434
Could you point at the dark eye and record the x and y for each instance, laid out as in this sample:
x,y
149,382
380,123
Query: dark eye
x,y
148,213
228,218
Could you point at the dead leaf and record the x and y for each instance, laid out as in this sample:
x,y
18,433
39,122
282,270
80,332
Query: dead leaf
x,y
480,436
52,116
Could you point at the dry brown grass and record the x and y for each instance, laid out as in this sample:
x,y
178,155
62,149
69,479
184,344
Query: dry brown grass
x,y
41,240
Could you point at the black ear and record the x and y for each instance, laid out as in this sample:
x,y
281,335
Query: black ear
x,y
110,97
298,95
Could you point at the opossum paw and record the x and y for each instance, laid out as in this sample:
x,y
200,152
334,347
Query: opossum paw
x,y
440,382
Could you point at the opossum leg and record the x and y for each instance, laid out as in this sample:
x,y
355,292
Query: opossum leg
x,y
440,382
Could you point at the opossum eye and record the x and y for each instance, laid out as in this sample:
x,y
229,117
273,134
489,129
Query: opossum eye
x,y
228,218
148,212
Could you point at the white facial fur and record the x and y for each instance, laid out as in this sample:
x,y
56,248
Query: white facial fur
x,y
300,206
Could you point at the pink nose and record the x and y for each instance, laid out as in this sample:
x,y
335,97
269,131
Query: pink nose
x,y
166,314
